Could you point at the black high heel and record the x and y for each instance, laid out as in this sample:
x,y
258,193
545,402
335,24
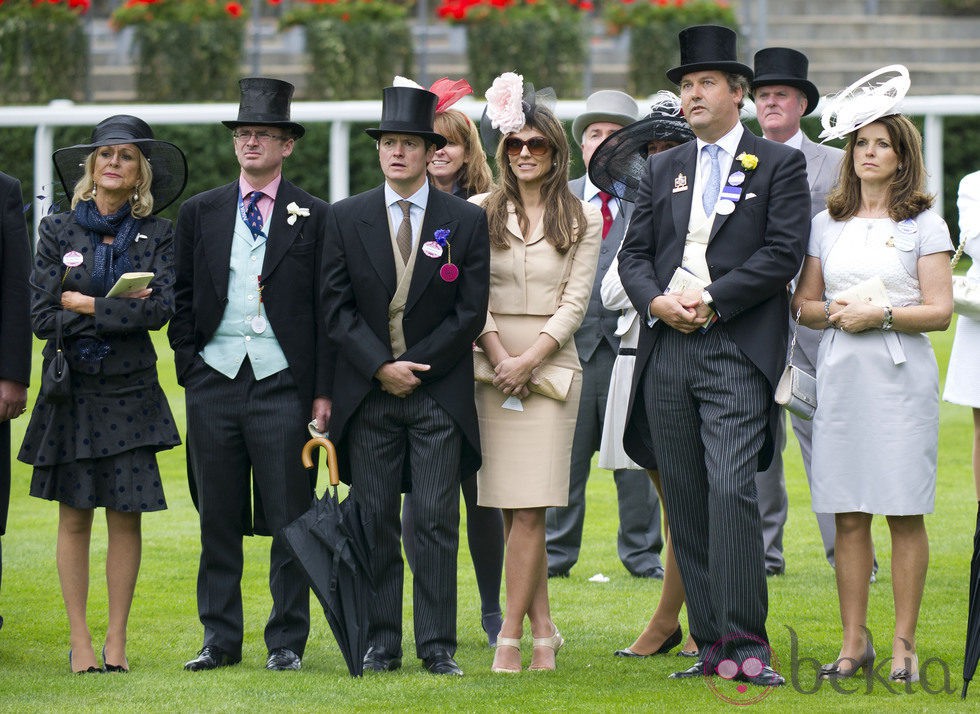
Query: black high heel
x,y
835,671
905,674
113,667
670,643
91,670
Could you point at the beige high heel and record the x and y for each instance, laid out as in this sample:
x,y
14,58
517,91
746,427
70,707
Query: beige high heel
x,y
555,643
506,642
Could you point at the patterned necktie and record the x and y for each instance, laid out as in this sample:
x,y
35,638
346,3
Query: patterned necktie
x,y
712,187
607,216
253,216
403,239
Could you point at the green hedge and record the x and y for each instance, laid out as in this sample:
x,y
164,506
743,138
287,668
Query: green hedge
x,y
211,159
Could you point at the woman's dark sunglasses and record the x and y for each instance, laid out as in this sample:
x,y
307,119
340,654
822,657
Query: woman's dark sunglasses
x,y
536,145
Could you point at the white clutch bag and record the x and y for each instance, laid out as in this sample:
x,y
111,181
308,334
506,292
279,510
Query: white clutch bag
x,y
871,291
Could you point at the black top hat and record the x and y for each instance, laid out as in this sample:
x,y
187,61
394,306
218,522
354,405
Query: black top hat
x,y
166,160
619,162
781,65
265,102
706,47
407,110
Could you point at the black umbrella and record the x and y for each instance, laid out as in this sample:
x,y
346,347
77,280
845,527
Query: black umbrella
x,y
973,620
333,542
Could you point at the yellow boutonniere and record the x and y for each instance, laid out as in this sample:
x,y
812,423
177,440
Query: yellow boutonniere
x,y
749,161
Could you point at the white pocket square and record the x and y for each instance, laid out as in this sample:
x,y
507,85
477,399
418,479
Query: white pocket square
x,y
749,195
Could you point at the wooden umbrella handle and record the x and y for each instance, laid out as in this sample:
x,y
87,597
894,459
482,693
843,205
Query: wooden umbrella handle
x,y
332,467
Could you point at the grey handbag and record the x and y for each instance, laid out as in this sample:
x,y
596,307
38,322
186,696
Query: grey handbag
x,y
797,390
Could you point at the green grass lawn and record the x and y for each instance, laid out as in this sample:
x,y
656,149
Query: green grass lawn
x,y
595,618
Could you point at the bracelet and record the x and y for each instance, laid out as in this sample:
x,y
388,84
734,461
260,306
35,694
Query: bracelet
x,y
889,319
826,312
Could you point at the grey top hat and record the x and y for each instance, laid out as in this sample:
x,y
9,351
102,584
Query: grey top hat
x,y
782,65
166,160
708,47
265,102
606,105
408,110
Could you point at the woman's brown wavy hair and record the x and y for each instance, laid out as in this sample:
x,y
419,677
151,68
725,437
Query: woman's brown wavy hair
x,y
906,199
564,217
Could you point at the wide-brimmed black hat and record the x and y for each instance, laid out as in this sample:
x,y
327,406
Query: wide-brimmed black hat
x,y
166,160
265,102
784,66
707,47
408,110
620,160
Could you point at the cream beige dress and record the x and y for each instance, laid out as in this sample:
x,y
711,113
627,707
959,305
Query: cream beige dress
x,y
534,289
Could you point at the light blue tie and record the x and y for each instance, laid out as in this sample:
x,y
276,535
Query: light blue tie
x,y
709,195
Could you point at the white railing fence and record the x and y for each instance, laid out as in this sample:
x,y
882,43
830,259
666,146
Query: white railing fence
x,y
340,116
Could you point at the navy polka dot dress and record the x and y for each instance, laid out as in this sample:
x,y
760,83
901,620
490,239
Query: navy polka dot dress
x,y
99,449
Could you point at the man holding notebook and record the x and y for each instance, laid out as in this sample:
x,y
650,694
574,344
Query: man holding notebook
x,y
732,210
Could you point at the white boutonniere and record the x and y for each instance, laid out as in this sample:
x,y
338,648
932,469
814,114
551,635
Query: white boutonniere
x,y
295,211
139,237
749,161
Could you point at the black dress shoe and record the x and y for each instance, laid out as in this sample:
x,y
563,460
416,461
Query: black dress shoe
x,y
775,570
440,662
670,643
212,657
768,677
654,573
696,671
559,573
283,659
377,659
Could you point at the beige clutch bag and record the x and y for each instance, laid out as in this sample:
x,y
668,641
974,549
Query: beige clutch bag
x,y
548,380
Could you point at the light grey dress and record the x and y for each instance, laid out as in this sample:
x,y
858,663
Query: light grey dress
x,y
876,429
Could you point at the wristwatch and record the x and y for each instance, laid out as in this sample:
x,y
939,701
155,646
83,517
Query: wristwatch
x,y
706,299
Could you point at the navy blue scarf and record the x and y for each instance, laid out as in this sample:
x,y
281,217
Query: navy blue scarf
x,y
110,261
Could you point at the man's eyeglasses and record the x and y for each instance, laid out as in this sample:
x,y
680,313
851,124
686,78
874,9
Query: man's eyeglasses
x,y
536,145
263,137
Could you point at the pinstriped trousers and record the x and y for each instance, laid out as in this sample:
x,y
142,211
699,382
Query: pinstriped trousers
x,y
708,407
384,432
241,432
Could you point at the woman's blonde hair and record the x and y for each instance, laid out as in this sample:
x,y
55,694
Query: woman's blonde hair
x,y
906,199
140,207
563,212
474,175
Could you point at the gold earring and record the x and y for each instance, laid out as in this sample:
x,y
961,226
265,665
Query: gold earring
x,y
94,187
136,195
